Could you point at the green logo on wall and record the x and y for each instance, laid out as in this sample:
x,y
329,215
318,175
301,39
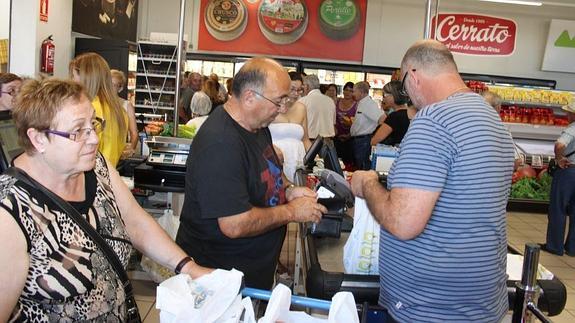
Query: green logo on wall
x,y
564,40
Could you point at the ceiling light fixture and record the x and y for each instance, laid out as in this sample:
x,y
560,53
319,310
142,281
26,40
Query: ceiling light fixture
x,y
526,3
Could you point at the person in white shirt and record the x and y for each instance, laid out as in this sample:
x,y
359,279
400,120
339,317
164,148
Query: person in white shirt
x,y
201,106
367,117
320,109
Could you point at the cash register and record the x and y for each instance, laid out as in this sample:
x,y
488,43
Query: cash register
x,y
165,167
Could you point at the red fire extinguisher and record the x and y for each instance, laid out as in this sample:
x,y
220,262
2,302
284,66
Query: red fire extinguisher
x,y
47,56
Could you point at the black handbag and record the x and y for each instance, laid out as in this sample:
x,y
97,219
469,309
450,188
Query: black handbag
x,y
133,315
553,166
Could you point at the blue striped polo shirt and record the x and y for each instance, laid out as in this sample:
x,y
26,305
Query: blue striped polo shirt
x,y
455,270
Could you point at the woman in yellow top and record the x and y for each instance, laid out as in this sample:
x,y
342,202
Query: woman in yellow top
x,y
92,71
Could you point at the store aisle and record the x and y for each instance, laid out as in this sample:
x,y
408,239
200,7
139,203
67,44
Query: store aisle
x,y
522,228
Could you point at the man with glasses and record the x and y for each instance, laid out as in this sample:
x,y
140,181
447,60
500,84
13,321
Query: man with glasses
x,y
443,241
237,203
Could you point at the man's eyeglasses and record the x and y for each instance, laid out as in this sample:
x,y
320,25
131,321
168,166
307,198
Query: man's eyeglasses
x,y
82,134
284,101
403,90
12,92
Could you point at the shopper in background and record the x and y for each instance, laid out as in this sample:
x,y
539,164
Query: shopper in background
x,y
118,81
331,91
190,86
50,269
562,196
289,131
367,118
222,93
236,204
296,88
443,240
210,87
201,107
319,108
9,88
393,129
346,108
92,71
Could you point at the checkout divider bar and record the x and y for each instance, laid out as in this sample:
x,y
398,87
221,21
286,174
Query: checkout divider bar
x,y
306,302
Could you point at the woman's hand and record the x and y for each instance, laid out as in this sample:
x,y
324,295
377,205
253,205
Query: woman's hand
x,y
195,271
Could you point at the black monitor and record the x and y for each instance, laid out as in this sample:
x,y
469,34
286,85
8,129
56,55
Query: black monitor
x,y
8,140
325,148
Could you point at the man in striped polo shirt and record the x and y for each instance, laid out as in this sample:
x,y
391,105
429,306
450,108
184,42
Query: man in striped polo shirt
x,y
443,238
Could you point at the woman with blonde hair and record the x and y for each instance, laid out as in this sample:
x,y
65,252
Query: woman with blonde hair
x,y
92,71
118,81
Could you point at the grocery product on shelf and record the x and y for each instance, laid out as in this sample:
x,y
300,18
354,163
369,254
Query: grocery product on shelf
x,y
477,86
516,94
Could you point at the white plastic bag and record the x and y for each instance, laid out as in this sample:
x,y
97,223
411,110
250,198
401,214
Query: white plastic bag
x,y
342,309
206,299
361,251
170,223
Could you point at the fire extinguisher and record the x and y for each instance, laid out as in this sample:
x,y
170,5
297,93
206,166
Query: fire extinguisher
x,y
47,56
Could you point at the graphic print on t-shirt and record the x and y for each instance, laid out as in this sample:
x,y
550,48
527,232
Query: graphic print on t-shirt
x,y
272,177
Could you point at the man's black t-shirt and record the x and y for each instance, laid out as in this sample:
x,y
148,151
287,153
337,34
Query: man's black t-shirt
x,y
229,171
399,122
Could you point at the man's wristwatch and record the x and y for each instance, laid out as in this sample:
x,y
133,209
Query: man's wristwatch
x,y
289,187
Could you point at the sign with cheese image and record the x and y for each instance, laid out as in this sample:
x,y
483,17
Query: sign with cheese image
x,y
326,29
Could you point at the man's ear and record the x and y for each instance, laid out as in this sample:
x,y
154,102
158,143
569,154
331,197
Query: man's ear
x,y
248,98
38,139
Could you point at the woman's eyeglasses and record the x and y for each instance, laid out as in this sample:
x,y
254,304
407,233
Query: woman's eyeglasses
x,y
82,134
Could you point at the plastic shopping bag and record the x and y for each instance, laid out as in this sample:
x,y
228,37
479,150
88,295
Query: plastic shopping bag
x,y
342,309
361,251
206,299
170,223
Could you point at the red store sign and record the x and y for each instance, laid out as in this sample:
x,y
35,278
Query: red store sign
x,y
475,34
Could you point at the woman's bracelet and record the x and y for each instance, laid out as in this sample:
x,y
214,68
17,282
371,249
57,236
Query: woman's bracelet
x,y
182,263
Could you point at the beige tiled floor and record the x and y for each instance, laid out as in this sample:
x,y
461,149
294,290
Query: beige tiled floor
x,y
522,228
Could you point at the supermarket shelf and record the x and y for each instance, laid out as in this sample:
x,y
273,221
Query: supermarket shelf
x,y
170,76
532,104
151,107
537,132
155,91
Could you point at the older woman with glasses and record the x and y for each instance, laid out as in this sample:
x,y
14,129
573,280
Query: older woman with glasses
x,y
9,88
394,128
51,268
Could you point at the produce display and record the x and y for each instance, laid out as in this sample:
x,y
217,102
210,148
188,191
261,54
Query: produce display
x,y
530,184
477,86
532,95
538,116
166,129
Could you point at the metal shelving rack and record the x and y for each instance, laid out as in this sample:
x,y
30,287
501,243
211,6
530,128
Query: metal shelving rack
x,y
156,80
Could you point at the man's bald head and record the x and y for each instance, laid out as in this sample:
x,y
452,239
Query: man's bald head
x,y
255,72
429,56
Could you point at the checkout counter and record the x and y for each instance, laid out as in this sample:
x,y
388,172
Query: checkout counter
x,y
320,266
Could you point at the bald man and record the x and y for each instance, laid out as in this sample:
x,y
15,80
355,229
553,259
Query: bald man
x,y
237,203
443,240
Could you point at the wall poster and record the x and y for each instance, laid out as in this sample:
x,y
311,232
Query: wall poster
x,y
109,19
560,50
328,29
472,34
